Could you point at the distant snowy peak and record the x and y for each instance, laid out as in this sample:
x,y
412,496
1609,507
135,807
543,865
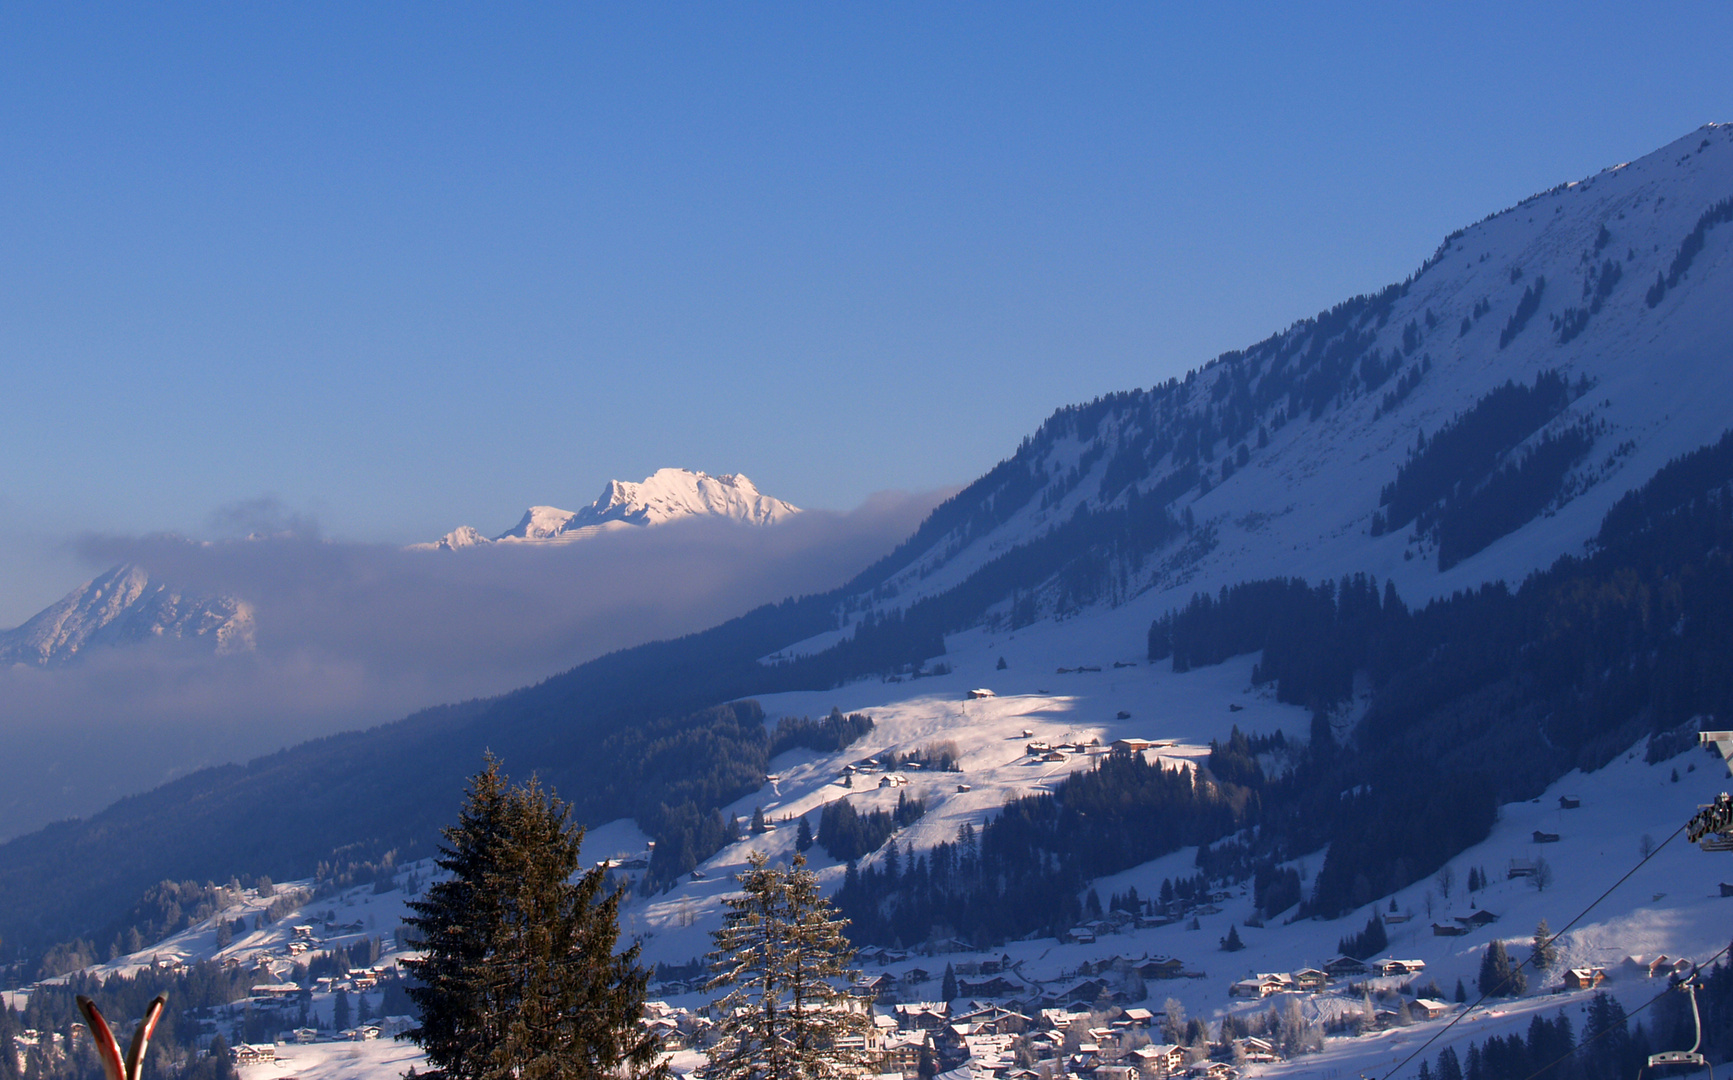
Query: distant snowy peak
x,y
461,537
125,606
664,496
675,493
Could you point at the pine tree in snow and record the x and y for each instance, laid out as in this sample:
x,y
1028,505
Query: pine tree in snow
x,y
519,977
1499,974
780,953
1545,951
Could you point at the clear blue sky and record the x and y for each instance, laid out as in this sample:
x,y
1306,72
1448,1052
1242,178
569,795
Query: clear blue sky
x,y
413,266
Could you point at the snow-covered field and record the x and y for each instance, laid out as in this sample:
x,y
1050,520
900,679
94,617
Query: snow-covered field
x,y
1671,906
383,1059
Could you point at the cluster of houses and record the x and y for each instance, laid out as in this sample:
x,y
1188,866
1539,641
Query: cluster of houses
x,y
1087,1026
358,981
888,780
266,1053
1112,980
1039,751
914,1038
1152,913
1314,980
1463,924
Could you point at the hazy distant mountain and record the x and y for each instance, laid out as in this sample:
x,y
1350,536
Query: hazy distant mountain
x,y
666,495
130,604
126,606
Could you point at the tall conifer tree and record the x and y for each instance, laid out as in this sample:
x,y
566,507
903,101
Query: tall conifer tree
x,y
780,953
519,979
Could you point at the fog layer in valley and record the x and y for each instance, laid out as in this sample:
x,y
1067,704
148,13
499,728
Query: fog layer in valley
x,y
351,635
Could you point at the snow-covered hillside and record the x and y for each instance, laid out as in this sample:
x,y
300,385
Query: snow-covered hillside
x,y
125,606
1277,461
1277,455
663,496
1674,906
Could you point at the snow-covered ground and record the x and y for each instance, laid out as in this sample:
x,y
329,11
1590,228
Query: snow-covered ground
x,y
383,1059
1671,906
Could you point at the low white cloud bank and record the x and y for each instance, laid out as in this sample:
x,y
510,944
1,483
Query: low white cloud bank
x,y
350,635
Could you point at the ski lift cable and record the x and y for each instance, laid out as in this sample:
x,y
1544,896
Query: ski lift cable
x,y
1459,1017
1628,1016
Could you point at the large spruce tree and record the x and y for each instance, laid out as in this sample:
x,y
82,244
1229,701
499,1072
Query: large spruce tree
x,y
1500,976
519,978
780,953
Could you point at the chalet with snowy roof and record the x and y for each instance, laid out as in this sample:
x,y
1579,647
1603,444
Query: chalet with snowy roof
x,y
1262,985
393,1026
1131,746
900,1052
997,1019
1255,1050
1446,930
1428,1008
996,987
1310,979
922,1015
1344,966
1477,919
1584,978
1059,1019
880,985
981,692
1085,993
1393,966
1164,1059
253,1054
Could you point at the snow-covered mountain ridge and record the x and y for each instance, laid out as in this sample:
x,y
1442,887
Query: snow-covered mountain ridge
x,y
1276,458
663,496
121,607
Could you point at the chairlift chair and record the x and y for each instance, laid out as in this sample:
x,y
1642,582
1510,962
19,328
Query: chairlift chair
x,y
1712,827
1693,1056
